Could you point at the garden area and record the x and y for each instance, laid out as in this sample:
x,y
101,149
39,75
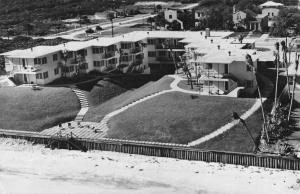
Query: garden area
x,y
25,109
176,117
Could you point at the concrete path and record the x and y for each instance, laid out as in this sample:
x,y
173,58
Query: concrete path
x,y
84,104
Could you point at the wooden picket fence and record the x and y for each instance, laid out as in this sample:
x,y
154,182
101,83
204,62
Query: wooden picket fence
x,y
184,153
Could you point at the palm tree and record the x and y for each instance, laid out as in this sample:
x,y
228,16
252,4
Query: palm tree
x,y
285,62
111,16
167,44
294,85
277,74
249,62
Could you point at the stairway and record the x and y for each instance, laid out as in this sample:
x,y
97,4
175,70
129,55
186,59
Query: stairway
x,y
84,104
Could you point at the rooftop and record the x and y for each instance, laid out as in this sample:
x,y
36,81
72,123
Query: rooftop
x,y
271,4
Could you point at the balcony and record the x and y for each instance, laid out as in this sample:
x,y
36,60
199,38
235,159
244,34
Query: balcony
x,y
109,55
136,50
163,59
178,46
77,60
212,73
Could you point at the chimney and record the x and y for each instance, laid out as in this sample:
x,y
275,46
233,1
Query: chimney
x,y
219,47
229,53
207,32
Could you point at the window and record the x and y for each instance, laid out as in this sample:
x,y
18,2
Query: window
x,y
112,61
199,14
151,41
268,13
56,71
125,45
39,76
70,55
208,66
126,58
151,54
95,50
249,83
71,68
40,60
248,68
162,53
44,60
45,74
55,57
226,86
170,16
111,48
272,14
99,63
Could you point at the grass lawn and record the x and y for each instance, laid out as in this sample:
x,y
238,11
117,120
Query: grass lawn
x,y
237,139
176,117
126,29
28,110
101,107
184,85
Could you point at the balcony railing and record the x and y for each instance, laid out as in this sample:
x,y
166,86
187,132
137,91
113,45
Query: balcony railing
x,y
212,73
109,55
177,46
163,59
136,50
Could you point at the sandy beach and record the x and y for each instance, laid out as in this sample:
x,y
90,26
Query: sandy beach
x,y
26,168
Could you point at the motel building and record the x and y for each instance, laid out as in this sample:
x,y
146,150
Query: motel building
x,y
216,61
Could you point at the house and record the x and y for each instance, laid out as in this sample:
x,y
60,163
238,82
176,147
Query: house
x,y
201,14
175,13
271,9
242,18
260,23
249,20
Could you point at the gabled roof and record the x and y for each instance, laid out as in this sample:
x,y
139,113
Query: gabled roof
x,y
271,4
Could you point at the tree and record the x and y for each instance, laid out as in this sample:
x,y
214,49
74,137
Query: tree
x,y
111,16
150,20
28,27
89,31
175,26
10,32
98,28
158,8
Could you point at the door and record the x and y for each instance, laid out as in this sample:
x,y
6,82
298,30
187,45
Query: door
x,y
23,63
25,79
226,69
226,86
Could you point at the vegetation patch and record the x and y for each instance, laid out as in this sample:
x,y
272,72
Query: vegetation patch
x,y
23,108
176,117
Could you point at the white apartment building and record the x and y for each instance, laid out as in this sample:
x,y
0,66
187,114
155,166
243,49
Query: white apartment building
x,y
219,60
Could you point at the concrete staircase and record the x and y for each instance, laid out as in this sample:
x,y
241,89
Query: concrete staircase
x,y
84,104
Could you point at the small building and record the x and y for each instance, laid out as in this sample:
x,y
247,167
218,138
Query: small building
x,y
271,9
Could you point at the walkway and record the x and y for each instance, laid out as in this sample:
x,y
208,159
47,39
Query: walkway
x,y
84,104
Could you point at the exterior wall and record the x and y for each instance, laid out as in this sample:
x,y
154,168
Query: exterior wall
x,y
171,15
270,12
239,70
238,16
